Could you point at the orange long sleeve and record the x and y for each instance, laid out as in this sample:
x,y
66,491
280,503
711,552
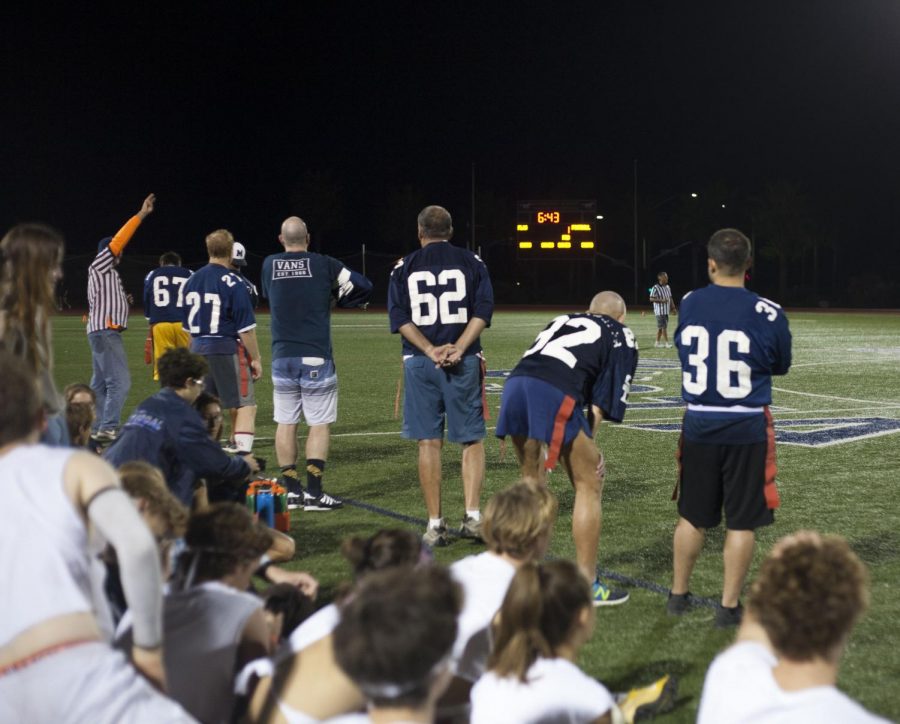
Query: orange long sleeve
x,y
123,235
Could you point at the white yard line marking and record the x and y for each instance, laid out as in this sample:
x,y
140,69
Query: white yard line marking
x,y
835,397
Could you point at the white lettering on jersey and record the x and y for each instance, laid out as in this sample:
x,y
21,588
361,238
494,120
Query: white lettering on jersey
x,y
290,269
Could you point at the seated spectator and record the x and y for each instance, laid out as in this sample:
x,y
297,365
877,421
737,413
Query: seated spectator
x,y
54,662
386,549
80,417
80,393
393,641
516,528
808,595
310,681
167,432
286,607
546,616
211,626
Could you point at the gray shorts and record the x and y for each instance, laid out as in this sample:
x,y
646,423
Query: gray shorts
x,y
304,387
230,379
88,682
662,321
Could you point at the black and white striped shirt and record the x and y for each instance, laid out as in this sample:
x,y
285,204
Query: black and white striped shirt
x,y
661,291
107,304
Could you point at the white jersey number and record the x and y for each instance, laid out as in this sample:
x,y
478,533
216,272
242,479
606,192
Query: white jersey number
x,y
559,347
427,308
211,298
161,295
696,383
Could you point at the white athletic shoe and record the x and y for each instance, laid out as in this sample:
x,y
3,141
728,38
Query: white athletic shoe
x,y
321,503
668,345
658,345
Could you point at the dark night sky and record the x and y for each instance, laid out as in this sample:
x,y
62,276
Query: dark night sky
x,y
223,110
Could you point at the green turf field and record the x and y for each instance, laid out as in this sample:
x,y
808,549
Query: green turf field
x,y
838,408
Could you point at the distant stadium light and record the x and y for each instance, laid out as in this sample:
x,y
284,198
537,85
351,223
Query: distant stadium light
x,y
525,245
581,227
547,244
564,245
521,227
587,244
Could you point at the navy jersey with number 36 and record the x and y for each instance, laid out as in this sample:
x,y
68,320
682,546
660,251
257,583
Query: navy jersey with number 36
x,y
590,357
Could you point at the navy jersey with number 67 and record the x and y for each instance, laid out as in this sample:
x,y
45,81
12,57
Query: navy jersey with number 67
x,y
217,308
163,294
590,357
439,288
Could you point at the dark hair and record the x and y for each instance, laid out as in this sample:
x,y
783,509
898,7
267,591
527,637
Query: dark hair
x,y
32,256
292,603
179,365
395,631
204,400
221,538
808,595
435,223
79,418
385,549
20,403
730,250
170,258
538,614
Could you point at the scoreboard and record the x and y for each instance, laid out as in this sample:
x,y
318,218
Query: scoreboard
x,y
557,229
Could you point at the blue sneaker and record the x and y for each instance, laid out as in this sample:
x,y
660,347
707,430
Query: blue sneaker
x,y
603,595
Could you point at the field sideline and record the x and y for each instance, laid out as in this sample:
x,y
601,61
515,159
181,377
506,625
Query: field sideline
x,y
837,418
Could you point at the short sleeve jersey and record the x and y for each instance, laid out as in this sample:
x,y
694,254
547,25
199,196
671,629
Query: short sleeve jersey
x,y
661,291
301,287
164,294
439,288
590,357
730,342
217,309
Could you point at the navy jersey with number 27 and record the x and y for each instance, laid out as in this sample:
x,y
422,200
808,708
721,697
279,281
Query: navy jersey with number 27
x,y
217,308
590,357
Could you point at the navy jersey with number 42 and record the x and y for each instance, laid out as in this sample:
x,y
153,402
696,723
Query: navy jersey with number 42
x,y
439,288
731,341
590,357
164,294
217,308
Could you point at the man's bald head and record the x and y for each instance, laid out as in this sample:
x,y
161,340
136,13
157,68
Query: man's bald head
x,y
610,304
294,234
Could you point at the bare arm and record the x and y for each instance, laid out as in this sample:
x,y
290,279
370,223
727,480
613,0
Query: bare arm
x,y
249,341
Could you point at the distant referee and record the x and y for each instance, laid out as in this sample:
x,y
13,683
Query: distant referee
x,y
107,319
661,296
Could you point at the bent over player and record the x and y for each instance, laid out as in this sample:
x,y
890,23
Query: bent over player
x,y
578,360
301,287
440,299
730,342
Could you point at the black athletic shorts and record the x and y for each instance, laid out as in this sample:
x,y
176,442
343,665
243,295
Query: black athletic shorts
x,y
732,477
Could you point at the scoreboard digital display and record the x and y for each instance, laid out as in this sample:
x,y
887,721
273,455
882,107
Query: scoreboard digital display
x,y
556,228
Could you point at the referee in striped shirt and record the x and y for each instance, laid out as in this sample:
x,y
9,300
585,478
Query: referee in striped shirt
x,y
661,296
107,319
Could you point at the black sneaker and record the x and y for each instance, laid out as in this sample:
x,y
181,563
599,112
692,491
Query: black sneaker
x,y
321,503
678,603
294,490
729,617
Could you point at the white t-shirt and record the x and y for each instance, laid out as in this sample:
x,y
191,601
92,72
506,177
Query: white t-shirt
x,y
556,692
484,579
740,687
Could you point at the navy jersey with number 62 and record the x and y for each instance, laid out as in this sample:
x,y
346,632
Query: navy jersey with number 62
x,y
439,288
217,308
591,357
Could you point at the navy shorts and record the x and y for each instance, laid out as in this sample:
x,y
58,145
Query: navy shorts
x,y
431,394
